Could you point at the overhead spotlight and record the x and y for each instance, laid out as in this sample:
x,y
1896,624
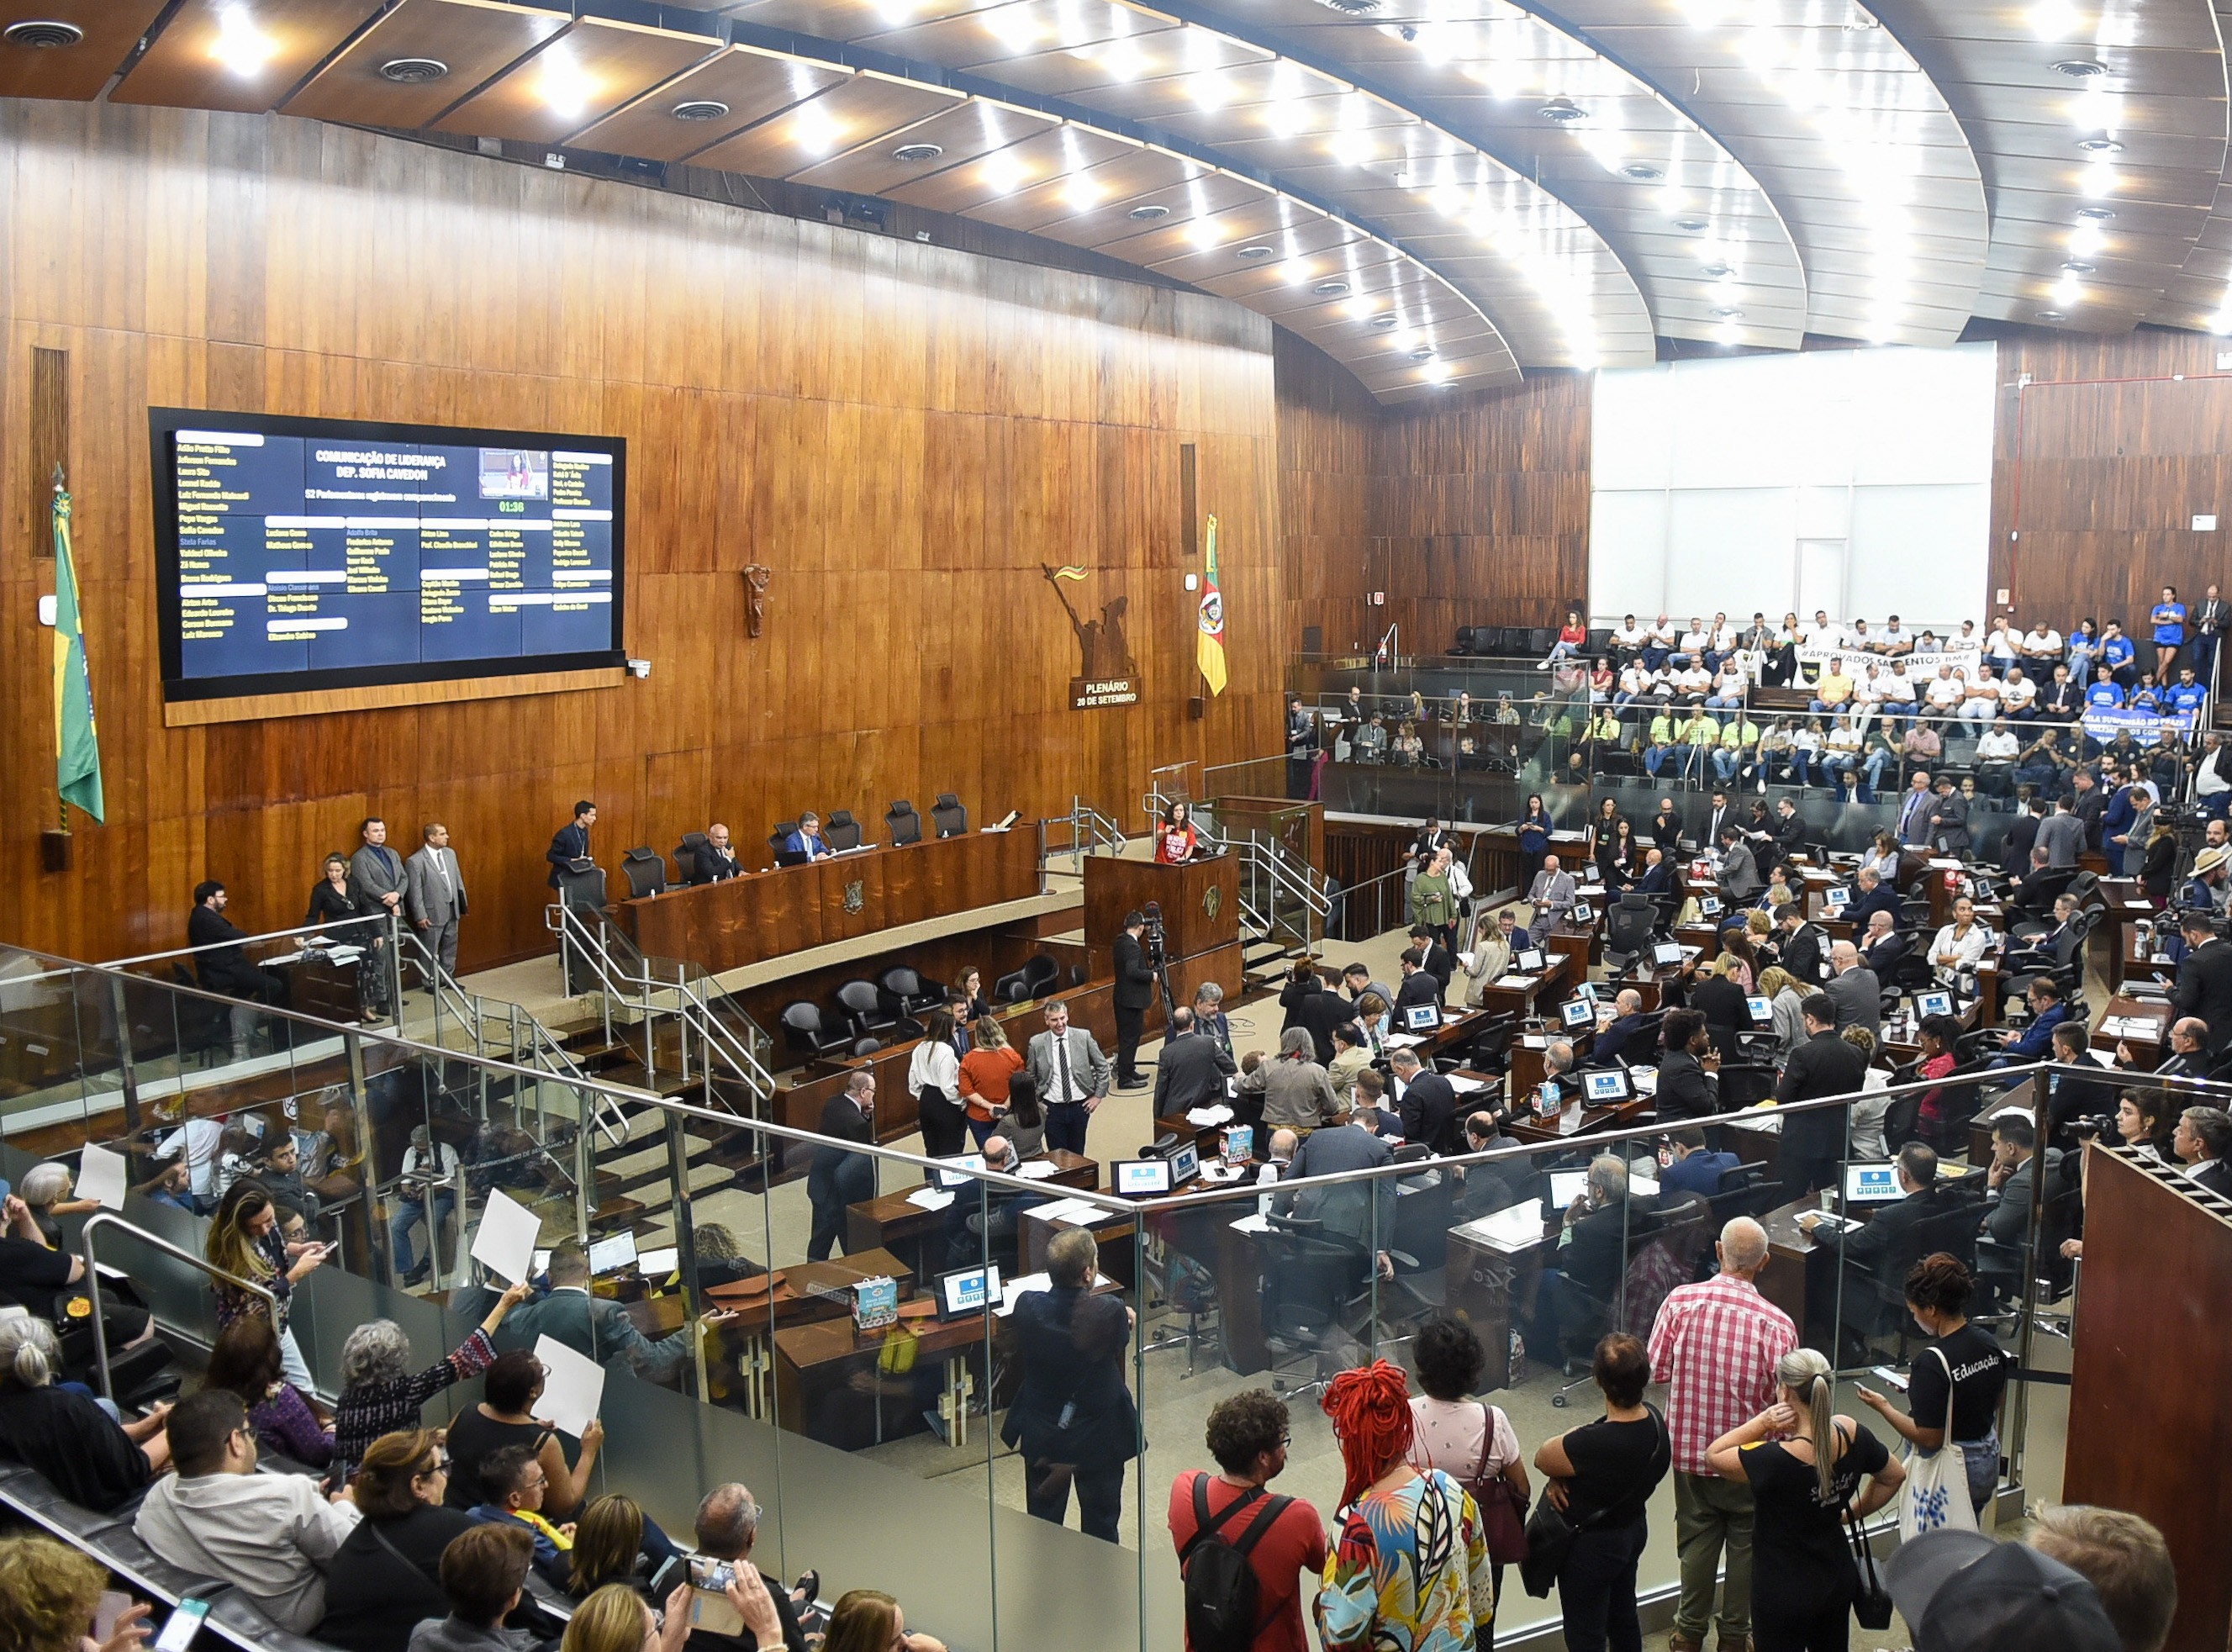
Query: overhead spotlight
x,y
1147,214
2054,19
1255,254
1729,313
2101,144
914,154
241,46
1436,373
1422,352
1562,111
1331,289
1727,333
2096,214
419,71
1384,323
2080,68
2051,316
1716,270
1693,224
2078,267
42,34
2222,322
1641,172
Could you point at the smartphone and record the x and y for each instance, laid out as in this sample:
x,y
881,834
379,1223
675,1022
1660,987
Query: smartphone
x,y
111,1606
180,1629
712,1575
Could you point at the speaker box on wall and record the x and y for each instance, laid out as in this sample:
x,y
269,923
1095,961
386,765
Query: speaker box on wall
x,y
1314,639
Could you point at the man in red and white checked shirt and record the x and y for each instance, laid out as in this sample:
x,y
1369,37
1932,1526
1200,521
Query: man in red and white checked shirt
x,y
1714,1346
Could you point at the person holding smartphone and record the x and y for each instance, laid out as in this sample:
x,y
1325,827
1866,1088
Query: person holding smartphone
x,y
54,1599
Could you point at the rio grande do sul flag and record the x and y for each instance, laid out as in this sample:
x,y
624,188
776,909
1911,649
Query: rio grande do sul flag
x,y
77,749
1210,649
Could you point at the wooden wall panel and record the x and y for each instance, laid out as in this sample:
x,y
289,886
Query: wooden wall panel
x,y
905,433
2101,462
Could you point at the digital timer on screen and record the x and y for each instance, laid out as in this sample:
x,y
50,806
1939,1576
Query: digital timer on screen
x,y
296,553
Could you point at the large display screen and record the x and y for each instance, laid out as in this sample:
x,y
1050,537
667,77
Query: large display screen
x,y
295,553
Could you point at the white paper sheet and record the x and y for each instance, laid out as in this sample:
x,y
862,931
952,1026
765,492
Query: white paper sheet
x,y
1038,1170
1465,1086
1206,1116
504,1242
101,1175
1258,1223
573,1386
930,1198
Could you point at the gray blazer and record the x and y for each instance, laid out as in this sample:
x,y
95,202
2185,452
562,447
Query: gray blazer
x,y
372,876
1087,1066
2063,836
1740,878
1952,833
425,896
1859,997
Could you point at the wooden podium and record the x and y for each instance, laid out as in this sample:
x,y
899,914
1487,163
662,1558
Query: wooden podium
x,y
2151,1359
1200,903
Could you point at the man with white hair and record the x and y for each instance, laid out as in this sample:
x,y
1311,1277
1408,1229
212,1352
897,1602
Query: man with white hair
x,y
1853,987
1715,1345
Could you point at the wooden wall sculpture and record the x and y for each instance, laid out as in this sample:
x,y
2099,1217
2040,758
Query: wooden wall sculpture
x,y
905,432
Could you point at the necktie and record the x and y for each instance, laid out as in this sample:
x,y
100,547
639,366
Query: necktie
x,y
442,860
1061,1048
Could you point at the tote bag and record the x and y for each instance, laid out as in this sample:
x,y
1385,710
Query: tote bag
x,y
1935,1496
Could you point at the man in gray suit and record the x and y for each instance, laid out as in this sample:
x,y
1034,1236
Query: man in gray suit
x,y
1740,878
2062,834
595,1327
376,880
434,895
1853,988
1072,1074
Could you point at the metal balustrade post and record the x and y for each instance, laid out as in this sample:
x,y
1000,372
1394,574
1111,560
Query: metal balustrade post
x,y
367,1158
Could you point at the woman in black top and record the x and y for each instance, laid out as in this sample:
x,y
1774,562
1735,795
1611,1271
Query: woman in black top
x,y
387,1575
1616,855
1802,1576
1602,1474
330,901
505,1417
2159,869
1963,1360
81,1450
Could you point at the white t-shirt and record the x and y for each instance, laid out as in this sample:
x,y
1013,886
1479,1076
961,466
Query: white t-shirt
x,y
1663,633
2043,641
1997,743
1830,635
1946,692
1696,679
2017,692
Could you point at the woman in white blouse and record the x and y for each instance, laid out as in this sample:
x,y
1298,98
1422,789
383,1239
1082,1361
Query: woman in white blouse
x,y
1960,945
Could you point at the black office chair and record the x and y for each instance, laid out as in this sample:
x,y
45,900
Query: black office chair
x,y
863,1007
865,1045
841,831
781,835
1745,1083
686,854
204,1027
1042,974
646,869
908,992
1632,922
948,816
806,1031
1309,1282
1011,988
902,825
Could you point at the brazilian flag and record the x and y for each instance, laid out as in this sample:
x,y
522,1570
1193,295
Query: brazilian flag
x,y
77,747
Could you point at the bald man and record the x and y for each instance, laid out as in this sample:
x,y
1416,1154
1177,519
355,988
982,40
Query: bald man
x,y
1626,1026
1882,946
1853,987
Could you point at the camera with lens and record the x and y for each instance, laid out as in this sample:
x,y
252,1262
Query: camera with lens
x,y
2096,1125
1152,940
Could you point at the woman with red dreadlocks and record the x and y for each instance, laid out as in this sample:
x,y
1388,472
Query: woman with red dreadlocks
x,y
1409,1571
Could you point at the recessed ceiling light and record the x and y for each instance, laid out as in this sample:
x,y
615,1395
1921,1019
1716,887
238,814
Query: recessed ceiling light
x,y
1562,111
1715,270
1693,225
1727,313
1641,172
700,109
1255,254
2103,145
1147,214
2051,316
1331,289
1384,323
2096,214
2078,267
42,34
1422,353
912,153
2079,68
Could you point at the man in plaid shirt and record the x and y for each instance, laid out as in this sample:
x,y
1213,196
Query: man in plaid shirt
x,y
1714,1346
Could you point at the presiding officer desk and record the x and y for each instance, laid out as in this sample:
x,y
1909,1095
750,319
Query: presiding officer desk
x,y
762,915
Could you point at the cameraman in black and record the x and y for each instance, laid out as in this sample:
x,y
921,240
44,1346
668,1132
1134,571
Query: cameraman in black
x,y
1135,991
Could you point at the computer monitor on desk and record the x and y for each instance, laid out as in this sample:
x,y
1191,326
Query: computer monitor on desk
x,y
968,1291
1140,1178
1422,1018
1607,1086
1870,1184
1576,1014
1527,960
1837,898
1666,954
612,1255
1185,1164
1934,1003
955,1172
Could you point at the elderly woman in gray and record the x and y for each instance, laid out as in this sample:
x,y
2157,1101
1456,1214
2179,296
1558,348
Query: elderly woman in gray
x,y
382,1394
1296,1091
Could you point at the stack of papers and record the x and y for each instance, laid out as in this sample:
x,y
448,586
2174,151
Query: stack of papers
x,y
2144,1027
1038,1170
1075,1213
1402,1041
1522,983
1514,1228
1257,1224
1645,1080
1208,1116
930,1198
1463,1085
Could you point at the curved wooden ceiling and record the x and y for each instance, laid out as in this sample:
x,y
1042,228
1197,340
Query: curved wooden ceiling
x,y
1435,192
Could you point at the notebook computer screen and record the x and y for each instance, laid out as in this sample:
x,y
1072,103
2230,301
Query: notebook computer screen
x,y
1762,1010
1185,1164
1528,959
957,1176
1838,898
1142,1178
1608,1087
968,1290
1870,1184
1577,1013
1939,1003
1666,953
611,1255
1421,1018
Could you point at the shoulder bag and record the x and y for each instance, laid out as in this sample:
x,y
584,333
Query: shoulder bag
x,y
1936,1495
1551,1531
1503,1507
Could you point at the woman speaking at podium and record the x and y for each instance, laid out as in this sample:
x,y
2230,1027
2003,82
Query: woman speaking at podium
x,y
1177,842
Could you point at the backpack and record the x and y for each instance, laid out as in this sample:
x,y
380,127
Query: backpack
x,y
1220,1584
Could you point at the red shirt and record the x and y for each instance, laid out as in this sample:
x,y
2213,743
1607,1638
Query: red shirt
x,y
1296,1542
1175,843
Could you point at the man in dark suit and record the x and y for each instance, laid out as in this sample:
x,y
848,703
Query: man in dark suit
x,y
1788,831
1427,1103
1863,1250
2089,804
837,1177
980,1225
1657,874
1591,1256
571,843
376,883
1688,1080
1417,988
597,1328
1322,1011
1800,948
728,1525
716,861
2023,834
226,969
2204,980
1072,1419
1882,945
1873,895
1814,1143
2201,1141
1351,1213
1438,962
1948,819
1192,1069
1626,1025
1718,816
1135,991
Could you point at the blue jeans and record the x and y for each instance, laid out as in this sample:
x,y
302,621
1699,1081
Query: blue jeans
x,y
408,1215
1654,758
1872,774
1802,769
1724,763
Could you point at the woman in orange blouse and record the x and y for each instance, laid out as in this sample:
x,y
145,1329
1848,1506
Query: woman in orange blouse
x,y
985,1074
1178,841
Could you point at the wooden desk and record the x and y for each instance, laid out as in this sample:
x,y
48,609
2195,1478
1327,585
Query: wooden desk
x,y
1586,944
891,1222
1528,1062
768,914
1200,903
1783,1281
1706,937
1501,1000
1575,1120
2130,963
2147,1051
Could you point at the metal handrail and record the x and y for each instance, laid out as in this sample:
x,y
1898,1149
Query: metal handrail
x,y
109,1219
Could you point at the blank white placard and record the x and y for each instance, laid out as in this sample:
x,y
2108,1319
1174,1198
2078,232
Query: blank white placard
x,y
573,1387
504,1242
101,1175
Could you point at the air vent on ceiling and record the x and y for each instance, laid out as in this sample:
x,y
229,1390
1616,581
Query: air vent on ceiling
x,y
1715,271
1331,289
2078,267
913,152
2096,214
700,109
1641,171
1384,323
1729,313
1351,7
2079,68
42,34
1422,353
1254,254
413,71
1562,111
1147,214
1693,225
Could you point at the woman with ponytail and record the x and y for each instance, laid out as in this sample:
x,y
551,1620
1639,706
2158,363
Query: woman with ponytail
x,y
63,1433
1409,1571
1802,1492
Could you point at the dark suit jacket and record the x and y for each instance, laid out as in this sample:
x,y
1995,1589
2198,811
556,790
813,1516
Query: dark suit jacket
x,y
1417,988
1949,818
2015,853
1135,981
1880,1236
1658,879
1596,1255
1070,1346
709,865
1803,955
2215,1175
1612,1043
570,842
1439,964
1190,1072
2204,988
1863,907
836,1174
1685,1089
1322,1012
220,969
1823,1066
2091,808
1429,1107
1886,953
1787,832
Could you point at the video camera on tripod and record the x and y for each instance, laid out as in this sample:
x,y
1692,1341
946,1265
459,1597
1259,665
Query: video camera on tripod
x,y
1151,942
